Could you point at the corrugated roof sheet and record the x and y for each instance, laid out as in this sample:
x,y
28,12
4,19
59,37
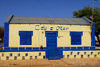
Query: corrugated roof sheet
x,y
48,20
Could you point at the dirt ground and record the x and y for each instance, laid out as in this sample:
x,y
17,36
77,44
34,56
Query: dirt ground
x,y
51,63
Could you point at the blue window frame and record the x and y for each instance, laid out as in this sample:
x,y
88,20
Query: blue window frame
x,y
76,38
25,37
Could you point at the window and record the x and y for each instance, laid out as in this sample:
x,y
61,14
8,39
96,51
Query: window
x,y
76,38
10,54
84,53
74,56
43,57
30,57
78,53
98,53
7,58
18,54
2,54
88,56
15,58
91,53
67,56
23,58
95,55
81,56
71,53
39,54
26,54
35,57
25,37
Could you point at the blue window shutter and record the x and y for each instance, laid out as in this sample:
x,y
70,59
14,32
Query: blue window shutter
x,y
76,38
25,37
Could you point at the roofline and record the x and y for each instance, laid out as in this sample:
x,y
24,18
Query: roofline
x,y
86,19
42,17
9,18
51,23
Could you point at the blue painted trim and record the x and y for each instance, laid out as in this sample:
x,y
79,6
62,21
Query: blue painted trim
x,y
93,35
22,49
52,52
6,34
76,37
56,33
27,49
45,48
78,48
25,37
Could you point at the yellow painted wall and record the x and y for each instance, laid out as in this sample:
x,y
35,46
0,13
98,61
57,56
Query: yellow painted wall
x,y
4,55
95,54
38,38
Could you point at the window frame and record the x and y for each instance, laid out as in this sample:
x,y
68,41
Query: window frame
x,y
76,38
25,37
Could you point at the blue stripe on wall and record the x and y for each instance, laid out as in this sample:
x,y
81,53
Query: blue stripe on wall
x,y
6,34
93,35
27,49
21,49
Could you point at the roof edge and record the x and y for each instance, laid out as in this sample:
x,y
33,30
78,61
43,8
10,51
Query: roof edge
x,y
86,19
9,18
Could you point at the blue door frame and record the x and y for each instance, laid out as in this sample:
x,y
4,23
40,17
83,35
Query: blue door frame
x,y
52,52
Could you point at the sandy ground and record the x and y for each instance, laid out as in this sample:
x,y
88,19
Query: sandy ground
x,y
51,63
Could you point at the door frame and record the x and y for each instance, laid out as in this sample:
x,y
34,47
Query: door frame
x,y
57,55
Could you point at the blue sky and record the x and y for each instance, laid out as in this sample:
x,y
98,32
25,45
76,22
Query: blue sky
x,y
42,8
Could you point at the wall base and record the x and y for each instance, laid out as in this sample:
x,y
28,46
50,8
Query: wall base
x,y
81,54
21,55
42,54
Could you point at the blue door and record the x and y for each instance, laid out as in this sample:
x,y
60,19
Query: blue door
x,y
52,52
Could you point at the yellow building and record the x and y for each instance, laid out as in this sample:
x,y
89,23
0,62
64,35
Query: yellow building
x,y
50,38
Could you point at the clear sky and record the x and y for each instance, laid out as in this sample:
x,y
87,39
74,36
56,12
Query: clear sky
x,y
42,8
